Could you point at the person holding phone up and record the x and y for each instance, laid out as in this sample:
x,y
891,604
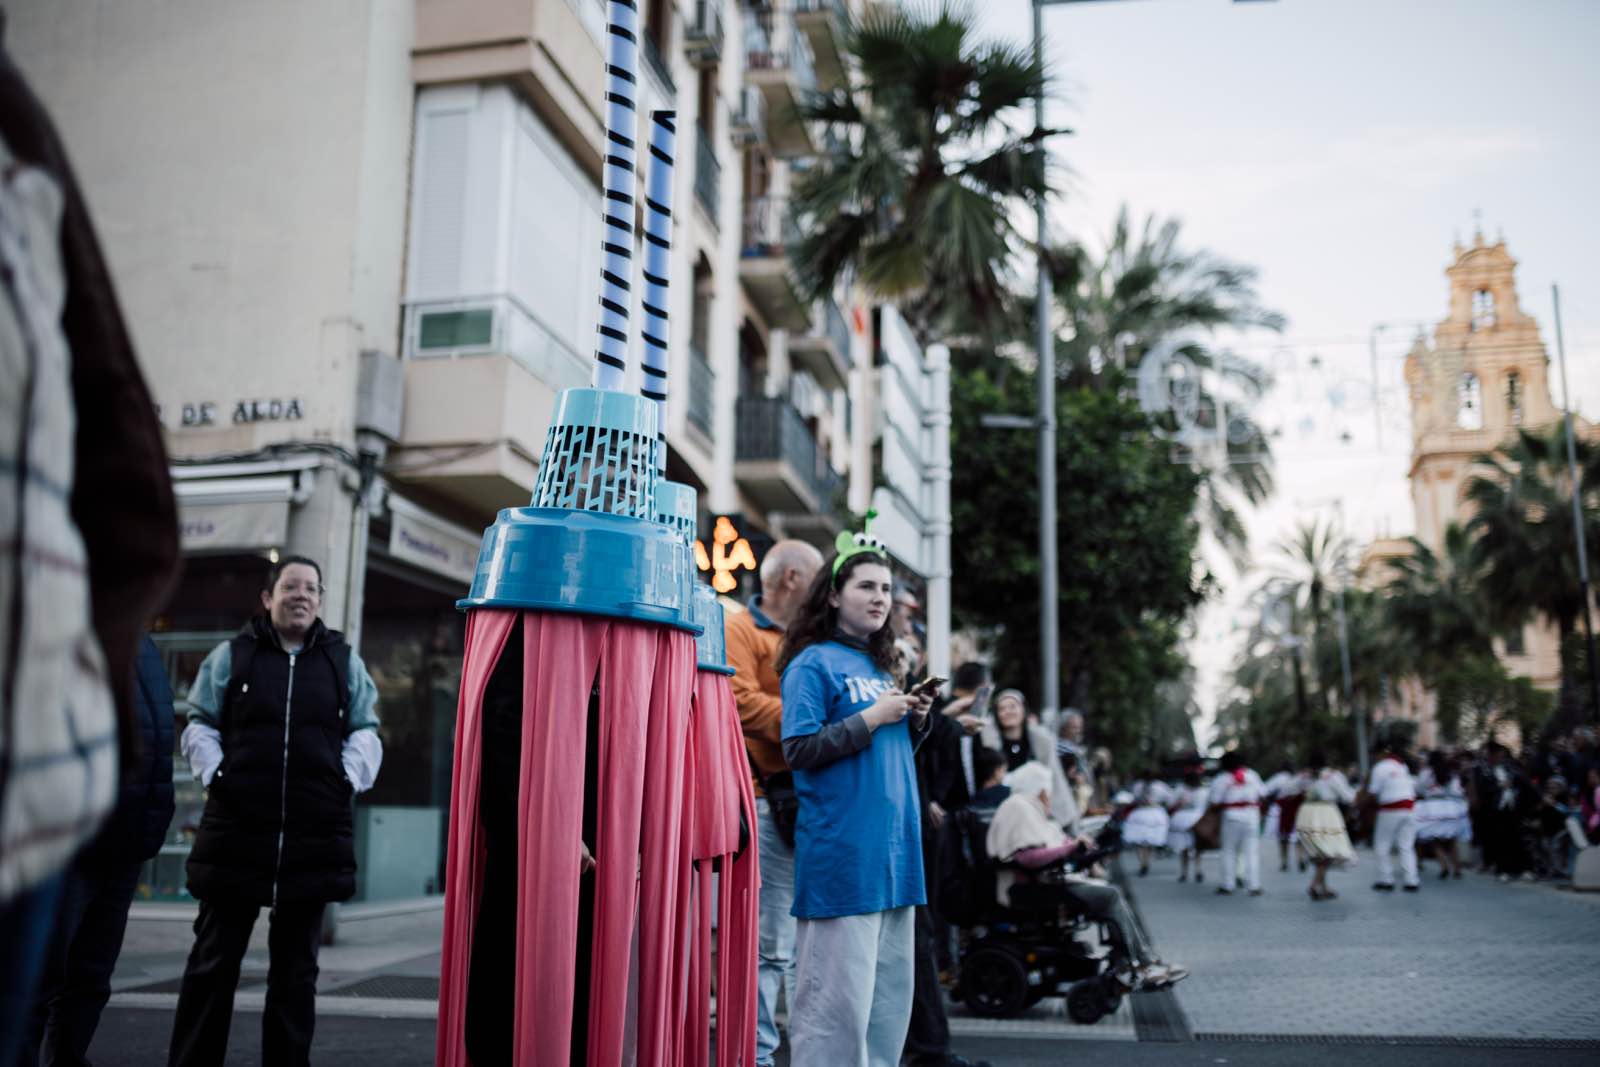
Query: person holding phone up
x,y
849,737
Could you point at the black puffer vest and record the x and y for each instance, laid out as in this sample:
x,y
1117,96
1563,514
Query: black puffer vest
x,y
278,823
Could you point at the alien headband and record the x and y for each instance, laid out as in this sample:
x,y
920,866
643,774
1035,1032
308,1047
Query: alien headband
x,y
854,544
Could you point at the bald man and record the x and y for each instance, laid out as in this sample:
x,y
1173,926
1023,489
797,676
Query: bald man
x,y
753,638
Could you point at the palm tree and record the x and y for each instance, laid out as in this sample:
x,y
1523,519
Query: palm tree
x,y
1146,288
1435,607
1314,557
1523,538
930,169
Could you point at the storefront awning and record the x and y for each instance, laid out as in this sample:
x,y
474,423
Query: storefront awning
x,y
234,514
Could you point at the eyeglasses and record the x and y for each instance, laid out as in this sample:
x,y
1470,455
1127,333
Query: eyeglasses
x,y
308,588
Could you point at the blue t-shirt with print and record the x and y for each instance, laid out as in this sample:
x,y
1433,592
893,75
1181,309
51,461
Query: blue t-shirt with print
x,y
858,842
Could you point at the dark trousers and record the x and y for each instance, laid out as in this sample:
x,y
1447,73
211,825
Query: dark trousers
x,y
77,969
929,1035
205,1003
26,922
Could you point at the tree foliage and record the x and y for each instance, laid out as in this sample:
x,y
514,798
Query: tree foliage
x,y
1125,541
936,150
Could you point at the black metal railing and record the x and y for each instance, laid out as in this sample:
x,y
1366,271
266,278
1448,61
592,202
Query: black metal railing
x,y
769,428
769,228
706,29
837,329
702,387
707,173
772,42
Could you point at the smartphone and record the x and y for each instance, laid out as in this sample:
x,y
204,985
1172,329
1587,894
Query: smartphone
x,y
980,702
929,687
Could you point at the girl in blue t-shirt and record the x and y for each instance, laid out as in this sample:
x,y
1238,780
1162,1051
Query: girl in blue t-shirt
x,y
848,735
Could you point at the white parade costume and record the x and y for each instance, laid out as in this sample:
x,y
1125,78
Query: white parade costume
x,y
1319,824
1396,828
1285,789
1441,813
1147,823
1238,794
1188,805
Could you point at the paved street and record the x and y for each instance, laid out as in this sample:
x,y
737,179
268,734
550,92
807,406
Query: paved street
x,y
1464,973
1464,959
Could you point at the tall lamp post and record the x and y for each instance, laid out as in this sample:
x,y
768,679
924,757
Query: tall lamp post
x,y
1049,612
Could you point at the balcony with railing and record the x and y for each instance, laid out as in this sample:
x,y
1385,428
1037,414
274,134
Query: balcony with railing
x,y
824,23
824,348
702,33
657,65
707,174
702,389
769,230
779,62
776,459
747,119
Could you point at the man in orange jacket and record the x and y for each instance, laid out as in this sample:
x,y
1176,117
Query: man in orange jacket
x,y
753,638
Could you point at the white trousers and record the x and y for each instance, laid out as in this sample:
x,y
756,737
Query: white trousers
x,y
1395,830
1241,839
854,977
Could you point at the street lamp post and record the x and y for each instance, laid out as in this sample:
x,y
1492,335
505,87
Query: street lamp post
x,y
1577,506
1049,584
1049,609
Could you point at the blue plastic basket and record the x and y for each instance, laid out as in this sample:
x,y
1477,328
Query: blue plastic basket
x,y
711,649
592,542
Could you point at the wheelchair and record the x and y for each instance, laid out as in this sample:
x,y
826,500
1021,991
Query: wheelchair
x,y
1011,958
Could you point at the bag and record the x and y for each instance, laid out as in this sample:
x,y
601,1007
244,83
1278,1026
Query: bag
x,y
783,802
1207,830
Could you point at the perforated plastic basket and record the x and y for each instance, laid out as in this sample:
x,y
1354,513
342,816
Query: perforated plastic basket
x,y
600,455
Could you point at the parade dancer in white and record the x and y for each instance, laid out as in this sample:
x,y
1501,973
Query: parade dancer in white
x,y
1237,791
1188,805
1396,829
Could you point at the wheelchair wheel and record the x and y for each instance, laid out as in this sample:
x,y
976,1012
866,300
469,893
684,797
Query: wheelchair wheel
x,y
994,983
1091,999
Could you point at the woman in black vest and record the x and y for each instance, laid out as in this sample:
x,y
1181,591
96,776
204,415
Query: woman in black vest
x,y
284,734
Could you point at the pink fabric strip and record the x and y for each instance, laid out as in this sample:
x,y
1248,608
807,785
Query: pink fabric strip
x,y
739,904
486,638
561,654
625,683
665,867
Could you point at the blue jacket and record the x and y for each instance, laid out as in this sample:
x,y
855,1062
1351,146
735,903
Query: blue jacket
x,y
138,826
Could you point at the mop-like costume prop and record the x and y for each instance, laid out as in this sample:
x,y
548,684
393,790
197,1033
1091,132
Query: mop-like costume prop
x,y
723,841
579,727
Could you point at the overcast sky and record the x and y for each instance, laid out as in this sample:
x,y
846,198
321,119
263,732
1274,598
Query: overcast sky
x,y
1339,146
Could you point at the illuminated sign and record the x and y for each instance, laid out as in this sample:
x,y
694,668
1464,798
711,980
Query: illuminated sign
x,y
729,552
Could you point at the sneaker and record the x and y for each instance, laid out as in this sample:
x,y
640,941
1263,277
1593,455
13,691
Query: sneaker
x,y
1383,887
1255,892
1224,891
1528,876
1198,877
1503,878
1412,888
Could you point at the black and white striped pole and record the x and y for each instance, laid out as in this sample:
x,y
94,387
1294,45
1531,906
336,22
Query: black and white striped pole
x,y
617,186
655,328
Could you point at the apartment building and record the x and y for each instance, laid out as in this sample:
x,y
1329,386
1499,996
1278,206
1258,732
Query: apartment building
x,y
358,247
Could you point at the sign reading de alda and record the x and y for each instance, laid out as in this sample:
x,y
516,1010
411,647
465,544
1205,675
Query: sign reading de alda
x,y
431,543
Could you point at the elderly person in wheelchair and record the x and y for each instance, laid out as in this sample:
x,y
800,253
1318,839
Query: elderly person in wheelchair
x,y
1035,854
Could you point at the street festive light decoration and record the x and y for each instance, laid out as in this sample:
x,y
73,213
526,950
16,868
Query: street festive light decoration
x,y
581,644
729,554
